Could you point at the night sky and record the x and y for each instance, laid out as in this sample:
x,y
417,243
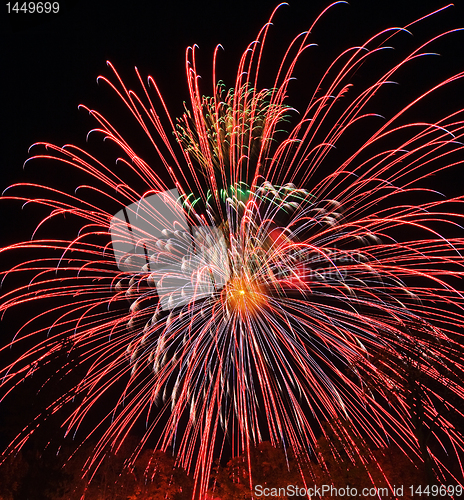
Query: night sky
x,y
50,64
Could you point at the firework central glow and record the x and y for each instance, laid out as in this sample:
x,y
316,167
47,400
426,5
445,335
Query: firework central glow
x,y
263,292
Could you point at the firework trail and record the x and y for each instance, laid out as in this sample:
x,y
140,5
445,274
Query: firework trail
x,y
256,289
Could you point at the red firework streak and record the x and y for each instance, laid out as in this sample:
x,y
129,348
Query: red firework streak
x,y
277,292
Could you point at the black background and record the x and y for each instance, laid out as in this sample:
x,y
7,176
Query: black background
x,y
50,62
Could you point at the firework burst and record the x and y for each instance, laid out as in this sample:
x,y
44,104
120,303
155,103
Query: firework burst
x,y
256,290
